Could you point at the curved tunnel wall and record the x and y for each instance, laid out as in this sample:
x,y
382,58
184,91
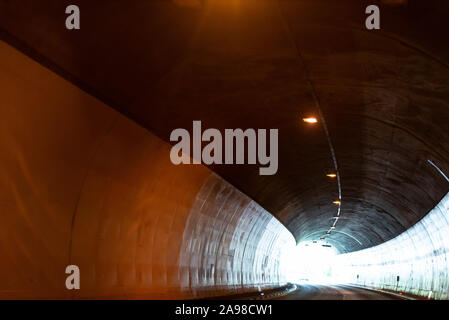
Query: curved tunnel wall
x,y
81,184
416,261
230,242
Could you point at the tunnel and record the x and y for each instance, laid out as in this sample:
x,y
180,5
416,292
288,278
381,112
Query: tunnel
x,y
360,159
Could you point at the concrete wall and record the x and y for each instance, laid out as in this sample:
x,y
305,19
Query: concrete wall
x,y
416,262
81,184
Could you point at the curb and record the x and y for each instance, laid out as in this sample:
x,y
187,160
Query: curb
x,y
402,296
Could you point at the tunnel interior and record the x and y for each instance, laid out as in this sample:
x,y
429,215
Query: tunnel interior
x,y
86,118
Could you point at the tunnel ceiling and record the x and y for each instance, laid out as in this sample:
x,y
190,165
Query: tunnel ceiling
x,y
259,64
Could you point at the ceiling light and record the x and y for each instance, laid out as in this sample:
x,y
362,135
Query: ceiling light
x,y
310,120
331,175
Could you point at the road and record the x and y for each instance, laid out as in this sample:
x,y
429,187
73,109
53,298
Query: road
x,y
333,292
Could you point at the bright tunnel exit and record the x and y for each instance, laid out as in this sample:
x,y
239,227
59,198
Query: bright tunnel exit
x,y
311,262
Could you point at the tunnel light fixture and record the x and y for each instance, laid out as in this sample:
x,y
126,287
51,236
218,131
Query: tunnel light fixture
x,y
310,120
337,202
331,175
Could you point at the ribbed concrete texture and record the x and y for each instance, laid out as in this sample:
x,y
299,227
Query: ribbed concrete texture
x,y
416,262
231,242
81,184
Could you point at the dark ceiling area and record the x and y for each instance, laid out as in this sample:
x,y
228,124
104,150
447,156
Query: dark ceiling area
x,y
384,94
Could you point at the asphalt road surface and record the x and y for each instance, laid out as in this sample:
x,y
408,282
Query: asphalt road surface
x,y
333,292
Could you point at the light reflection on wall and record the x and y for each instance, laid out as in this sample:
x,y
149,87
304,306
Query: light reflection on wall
x,y
416,261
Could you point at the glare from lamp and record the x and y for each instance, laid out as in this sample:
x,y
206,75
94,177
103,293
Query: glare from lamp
x,y
310,120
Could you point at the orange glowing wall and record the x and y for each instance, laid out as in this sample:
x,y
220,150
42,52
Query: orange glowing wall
x,y
81,184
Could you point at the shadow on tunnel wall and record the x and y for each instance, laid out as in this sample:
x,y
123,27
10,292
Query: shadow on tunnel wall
x,y
81,184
